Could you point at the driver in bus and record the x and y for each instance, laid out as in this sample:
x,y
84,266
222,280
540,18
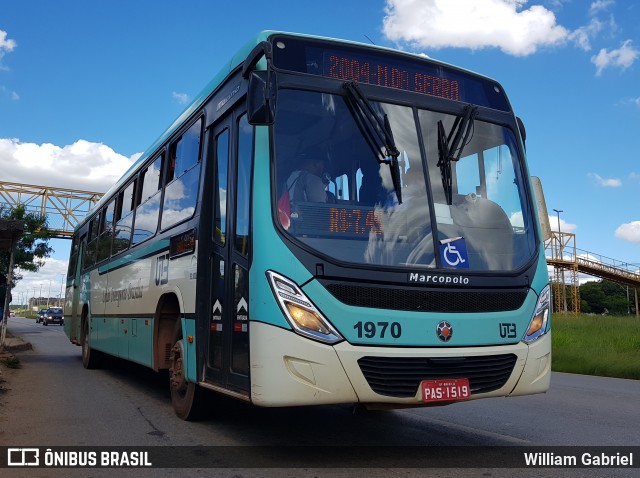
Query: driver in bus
x,y
306,184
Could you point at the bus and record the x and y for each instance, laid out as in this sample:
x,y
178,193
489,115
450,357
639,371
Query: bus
x,y
414,275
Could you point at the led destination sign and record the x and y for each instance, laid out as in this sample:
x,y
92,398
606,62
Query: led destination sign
x,y
374,66
348,68
330,221
354,221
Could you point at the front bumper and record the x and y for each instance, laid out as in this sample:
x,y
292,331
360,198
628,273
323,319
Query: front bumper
x,y
299,371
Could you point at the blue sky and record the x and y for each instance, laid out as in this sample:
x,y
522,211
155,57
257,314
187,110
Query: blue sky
x,y
85,87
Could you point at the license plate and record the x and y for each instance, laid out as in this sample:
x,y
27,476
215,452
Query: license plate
x,y
445,390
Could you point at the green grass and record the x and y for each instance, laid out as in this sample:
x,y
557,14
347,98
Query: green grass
x,y
596,345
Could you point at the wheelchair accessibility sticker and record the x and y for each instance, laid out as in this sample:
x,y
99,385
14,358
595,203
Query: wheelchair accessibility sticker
x,y
453,252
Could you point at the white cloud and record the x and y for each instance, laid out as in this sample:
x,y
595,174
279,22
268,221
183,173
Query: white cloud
x,y
632,101
564,226
583,35
12,95
607,183
600,5
473,24
6,44
622,57
82,165
629,232
180,98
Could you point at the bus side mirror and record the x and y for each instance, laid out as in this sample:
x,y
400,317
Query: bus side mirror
x,y
261,98
541,206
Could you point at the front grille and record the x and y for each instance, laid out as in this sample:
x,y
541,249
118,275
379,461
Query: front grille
x,y
485,300
401,377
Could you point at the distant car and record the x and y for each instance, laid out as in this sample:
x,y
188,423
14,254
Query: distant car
x,y
53,315
40,315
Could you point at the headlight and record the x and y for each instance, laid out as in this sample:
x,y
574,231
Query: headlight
x,y
539,324
303,316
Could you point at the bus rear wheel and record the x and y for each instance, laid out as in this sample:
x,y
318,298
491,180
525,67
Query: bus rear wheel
x,y
186,397
90,358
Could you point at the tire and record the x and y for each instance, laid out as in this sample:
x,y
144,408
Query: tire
x,y
187,398
91,359
45,323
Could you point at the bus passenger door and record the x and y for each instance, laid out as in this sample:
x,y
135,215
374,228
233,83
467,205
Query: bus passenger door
x,y
73,289
227,357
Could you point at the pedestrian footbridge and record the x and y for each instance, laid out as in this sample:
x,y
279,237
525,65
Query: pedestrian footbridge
x,y
561,253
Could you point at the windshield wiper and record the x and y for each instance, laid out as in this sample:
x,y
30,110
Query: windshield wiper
x,y
450,150
376,131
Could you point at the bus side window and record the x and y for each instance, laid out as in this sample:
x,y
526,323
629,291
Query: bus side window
x,y
340,187
467,175
151,179
73,257
92,242
185,152
220,205
106,231
183,177
148,210
124,219
243,189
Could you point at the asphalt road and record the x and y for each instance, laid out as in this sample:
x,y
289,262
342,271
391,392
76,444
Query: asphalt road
x,y
53,401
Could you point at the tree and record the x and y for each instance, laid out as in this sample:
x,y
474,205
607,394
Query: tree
x,y
605,297
591,292
31,249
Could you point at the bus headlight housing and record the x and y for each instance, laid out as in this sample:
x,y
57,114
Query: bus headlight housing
x,y
300,312
539,324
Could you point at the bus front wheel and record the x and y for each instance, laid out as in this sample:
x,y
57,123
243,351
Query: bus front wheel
x,y
186,397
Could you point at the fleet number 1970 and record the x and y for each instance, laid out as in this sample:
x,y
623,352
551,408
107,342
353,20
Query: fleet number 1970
x,y
378,329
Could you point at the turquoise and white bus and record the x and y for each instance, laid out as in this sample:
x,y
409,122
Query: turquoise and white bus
x,y
416,277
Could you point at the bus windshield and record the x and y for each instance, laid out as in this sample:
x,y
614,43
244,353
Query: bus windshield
x,y
337,194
